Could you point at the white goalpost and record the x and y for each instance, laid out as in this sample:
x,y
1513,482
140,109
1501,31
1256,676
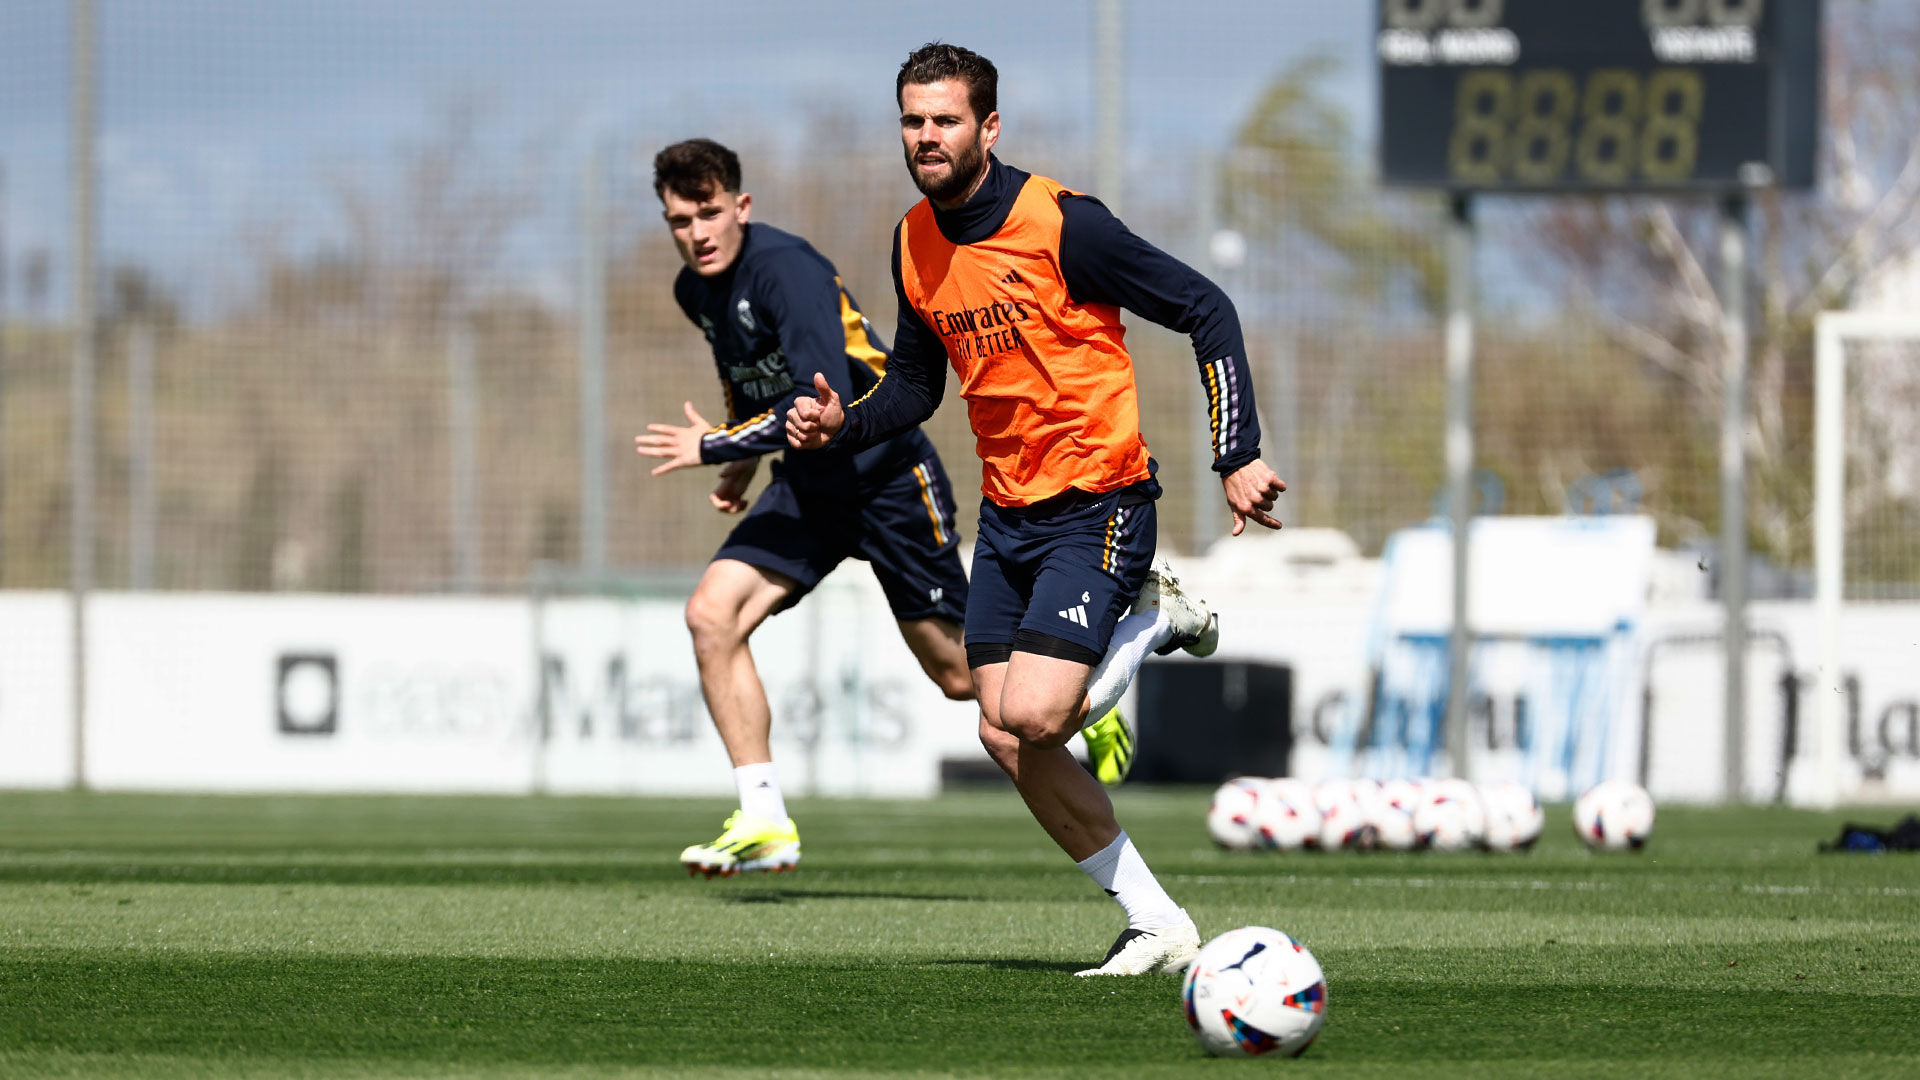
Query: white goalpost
x,y
1833,331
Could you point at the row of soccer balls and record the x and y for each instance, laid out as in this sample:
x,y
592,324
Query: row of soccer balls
x,y
1286,814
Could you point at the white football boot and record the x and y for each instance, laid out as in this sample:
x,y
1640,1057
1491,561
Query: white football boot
x,y
1140,952
1195,629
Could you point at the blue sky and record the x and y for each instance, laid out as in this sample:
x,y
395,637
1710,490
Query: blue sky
x,y
217,113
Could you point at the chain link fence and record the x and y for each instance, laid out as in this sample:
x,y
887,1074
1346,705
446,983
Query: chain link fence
x,y
339,364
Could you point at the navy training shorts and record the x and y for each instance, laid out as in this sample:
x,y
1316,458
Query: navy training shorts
x,y
904,528
1055,577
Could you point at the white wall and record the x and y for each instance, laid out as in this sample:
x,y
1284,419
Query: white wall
x,y
187,691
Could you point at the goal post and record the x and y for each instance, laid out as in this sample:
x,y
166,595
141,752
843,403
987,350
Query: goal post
x,y
1834,330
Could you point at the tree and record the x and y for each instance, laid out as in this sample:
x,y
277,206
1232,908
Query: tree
x,y
1642,270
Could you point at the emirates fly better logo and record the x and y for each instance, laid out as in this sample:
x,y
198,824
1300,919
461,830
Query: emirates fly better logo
x,y
974,333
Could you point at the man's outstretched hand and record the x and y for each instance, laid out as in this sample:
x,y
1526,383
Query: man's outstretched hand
x,y
814,421
1251,491
680,446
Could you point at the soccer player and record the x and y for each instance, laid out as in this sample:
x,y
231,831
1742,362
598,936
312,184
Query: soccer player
x,y
776,316
779,321
1018,283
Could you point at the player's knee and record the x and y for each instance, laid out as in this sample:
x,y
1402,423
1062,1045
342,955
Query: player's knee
x,y
1033,723
957,685
1002,746
713,624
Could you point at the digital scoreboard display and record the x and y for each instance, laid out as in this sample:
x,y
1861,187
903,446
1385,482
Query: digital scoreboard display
x,y
1598,95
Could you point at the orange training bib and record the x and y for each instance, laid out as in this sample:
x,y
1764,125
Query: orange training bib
x,y
1048,382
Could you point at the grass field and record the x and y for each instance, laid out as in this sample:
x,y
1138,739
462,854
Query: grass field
x,y
161,936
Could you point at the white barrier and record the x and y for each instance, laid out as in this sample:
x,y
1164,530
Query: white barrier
x,y
325,693
320,693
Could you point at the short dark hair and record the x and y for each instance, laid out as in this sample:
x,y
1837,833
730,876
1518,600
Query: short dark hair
x,y
692,169
936,61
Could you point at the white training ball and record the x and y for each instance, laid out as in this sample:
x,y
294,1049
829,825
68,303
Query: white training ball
x,y
1614,814
1514,817
1450,817
1390,815
1367,792
1341,817
1403,795
1230,815
1285,815
1254,991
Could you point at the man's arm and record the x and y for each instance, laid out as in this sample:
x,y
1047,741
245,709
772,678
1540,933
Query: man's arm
x,y
1104,262
908,391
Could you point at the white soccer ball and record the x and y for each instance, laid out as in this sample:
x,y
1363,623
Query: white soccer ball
x,y
1514,817
1341,816
1403,795
1285,816
1254,991
1390,814
1450,817
1614,814
1230,815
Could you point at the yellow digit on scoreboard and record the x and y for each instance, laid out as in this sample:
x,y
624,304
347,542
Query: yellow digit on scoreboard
x,y
1541,140
1670,142
1608,114
1481,110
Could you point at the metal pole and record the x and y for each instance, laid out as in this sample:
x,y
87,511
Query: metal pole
x,y
1460,245
1109,102
1733,483
1829,551
140,504
593,370
80,420
463,409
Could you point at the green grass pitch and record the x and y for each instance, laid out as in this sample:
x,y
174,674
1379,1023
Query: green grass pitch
x,y
173,936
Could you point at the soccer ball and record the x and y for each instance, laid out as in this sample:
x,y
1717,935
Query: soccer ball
x,y
1286,817
1390,812
1614,814
1450,817
1254,991
1341,817
1514,817
1230,816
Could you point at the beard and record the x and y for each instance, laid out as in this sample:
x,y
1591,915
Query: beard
x,y
964,168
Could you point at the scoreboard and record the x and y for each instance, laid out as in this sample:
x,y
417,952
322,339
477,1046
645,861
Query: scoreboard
x,y
1598,95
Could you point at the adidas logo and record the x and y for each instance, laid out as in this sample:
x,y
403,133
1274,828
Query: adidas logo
x,y
1077,614
1013,279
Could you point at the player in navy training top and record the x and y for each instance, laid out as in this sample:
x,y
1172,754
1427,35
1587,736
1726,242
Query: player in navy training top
x,y
776,315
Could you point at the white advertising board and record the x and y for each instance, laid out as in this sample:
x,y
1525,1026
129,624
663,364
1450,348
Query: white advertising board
x,y
228,692
852,714
436,694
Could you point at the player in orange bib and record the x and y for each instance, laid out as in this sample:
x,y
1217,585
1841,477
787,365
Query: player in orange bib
x,y
1017,282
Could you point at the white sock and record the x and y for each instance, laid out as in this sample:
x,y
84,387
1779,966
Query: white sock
x,y
1119,869
760,791
1133,640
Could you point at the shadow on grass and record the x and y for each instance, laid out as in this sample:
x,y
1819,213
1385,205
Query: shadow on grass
x,y
472,1011
1008,963
782,896
428,873
842,1015
338,873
